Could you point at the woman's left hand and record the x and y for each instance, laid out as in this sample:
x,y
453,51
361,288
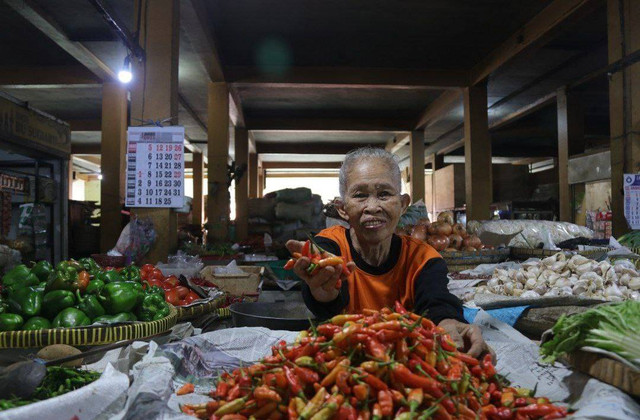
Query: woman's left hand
x,y
468,338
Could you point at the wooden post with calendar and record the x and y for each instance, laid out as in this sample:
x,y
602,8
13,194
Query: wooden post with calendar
x,y
632,200
155,167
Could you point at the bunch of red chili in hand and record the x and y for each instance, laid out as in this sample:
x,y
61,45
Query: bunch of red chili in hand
x,y
319,259
371,366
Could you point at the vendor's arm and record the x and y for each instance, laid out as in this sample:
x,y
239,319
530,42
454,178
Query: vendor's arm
x,y
319,292
435,301
432,297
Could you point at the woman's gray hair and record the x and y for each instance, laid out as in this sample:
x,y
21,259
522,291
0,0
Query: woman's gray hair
x,y
369,153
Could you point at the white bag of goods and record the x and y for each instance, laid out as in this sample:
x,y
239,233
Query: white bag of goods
x,y
532,231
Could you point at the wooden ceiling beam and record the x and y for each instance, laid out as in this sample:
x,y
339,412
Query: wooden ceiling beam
x,y
301,165
47,76
196,25
537,30
85,125
541,27
524,111
85,149
347,77
397,142
29,10
439,108
319,148
329,124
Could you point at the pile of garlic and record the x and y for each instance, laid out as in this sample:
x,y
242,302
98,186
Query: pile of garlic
x,y
561,276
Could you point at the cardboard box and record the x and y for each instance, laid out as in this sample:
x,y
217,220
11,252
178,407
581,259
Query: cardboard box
x,y
236,284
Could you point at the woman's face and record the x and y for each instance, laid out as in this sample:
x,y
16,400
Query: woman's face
x,y
372,204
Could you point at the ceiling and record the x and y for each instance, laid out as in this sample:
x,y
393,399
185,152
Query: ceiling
x,y
364,33
275,54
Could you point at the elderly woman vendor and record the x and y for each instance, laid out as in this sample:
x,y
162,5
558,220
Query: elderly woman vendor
x,y
385,267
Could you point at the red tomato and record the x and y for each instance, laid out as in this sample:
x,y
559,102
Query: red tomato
x,y
172,297
191,297
145,271
152,283
182,291
173,281
156,275
147,267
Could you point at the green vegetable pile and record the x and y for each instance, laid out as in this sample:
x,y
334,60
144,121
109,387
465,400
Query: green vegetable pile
x,y
58,381
631,239
74,294
614,327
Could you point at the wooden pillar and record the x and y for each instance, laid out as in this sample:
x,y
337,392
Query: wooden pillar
x,y
477,153
570,142
624,103
154,95
198,178
436,161
113,168
253,175
261,178
218,152
242,184
417,166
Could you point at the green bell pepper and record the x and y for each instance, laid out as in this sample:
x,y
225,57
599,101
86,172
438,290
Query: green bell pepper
x,y
120,297
41,286
65,276
154,290
4,306
10,322
26,301
95,287
57,300
89,305
89,264
36,323
70,317
153,308
121,317
18,277
131,273
42,270
110,276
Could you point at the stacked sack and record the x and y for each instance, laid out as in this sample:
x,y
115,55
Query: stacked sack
x,y
286,214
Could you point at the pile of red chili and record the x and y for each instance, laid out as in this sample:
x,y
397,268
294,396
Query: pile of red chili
x,y
371,366
319,259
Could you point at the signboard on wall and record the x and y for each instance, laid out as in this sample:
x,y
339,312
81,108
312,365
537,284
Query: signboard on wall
x,y
632,200
155,167
29,128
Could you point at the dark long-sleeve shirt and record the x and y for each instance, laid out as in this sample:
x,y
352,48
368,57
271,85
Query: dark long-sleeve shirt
x,y
432,298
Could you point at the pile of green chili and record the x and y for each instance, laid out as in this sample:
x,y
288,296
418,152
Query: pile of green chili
x,y
58,381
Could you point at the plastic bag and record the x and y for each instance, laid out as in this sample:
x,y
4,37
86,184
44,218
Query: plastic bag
x,y
231,268
533,231
136,239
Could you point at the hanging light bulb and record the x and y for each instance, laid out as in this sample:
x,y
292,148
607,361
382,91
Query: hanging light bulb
x,y
124,75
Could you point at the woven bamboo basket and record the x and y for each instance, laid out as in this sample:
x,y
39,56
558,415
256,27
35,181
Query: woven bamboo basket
x,y
190,312
473,258
91,335
526,253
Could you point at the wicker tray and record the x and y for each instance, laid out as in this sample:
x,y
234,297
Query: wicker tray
x,y
189,312
607,370
87,336
526,253
487,256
